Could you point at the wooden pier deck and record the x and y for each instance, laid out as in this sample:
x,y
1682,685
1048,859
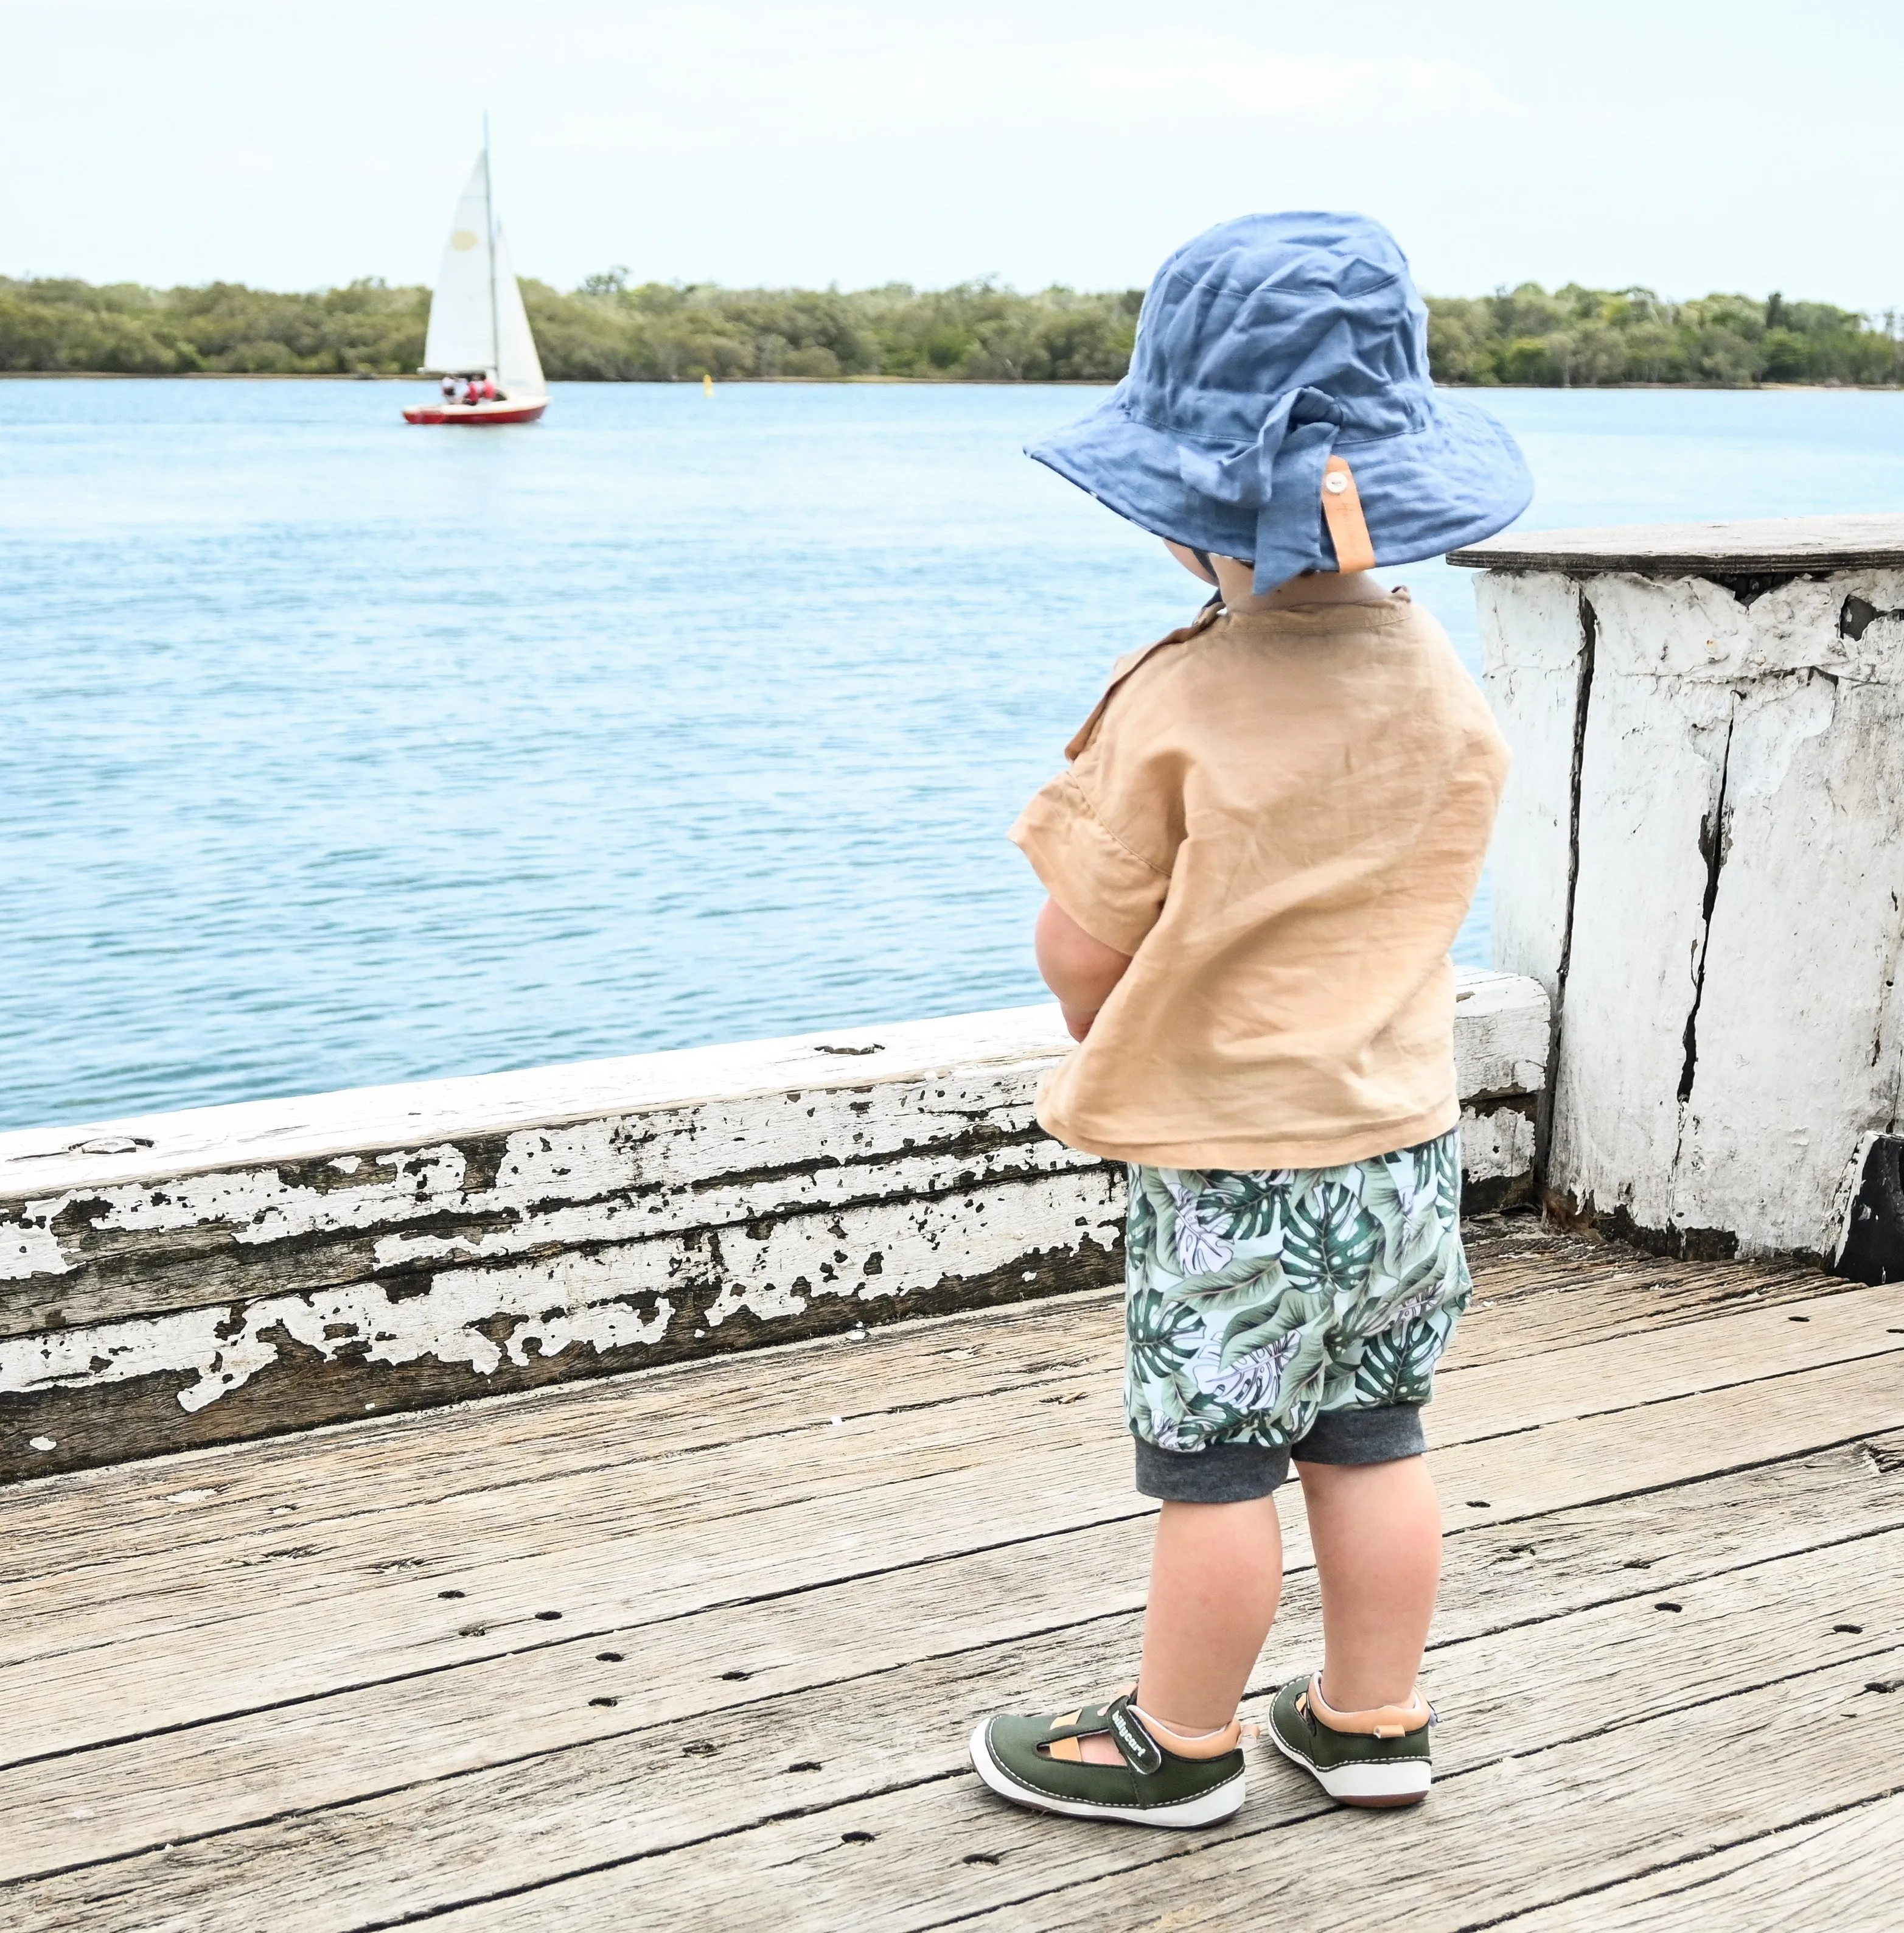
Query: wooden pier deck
x,y
700,1647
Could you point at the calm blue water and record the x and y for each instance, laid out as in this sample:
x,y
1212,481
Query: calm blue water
x,y
334,751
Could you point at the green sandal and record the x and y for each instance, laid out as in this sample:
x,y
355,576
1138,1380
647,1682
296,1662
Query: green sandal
x,y
1379,1757
1165,1779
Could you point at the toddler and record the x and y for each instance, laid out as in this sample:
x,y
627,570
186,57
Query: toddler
x,y
1268,835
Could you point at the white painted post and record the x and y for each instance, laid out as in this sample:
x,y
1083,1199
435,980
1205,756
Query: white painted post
x,y
1701,859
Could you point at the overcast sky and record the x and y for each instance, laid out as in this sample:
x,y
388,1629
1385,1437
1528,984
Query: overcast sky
x,y
1685,146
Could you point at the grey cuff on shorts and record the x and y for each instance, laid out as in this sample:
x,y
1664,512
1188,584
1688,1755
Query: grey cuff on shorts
x,y
1236,1473
1219,1473
1382,1436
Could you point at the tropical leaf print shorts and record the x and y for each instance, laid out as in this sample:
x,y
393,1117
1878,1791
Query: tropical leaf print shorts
x,y
1291,1309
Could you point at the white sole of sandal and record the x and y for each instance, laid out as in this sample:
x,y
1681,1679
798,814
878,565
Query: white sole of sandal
x,y
1402,1782
1204,1810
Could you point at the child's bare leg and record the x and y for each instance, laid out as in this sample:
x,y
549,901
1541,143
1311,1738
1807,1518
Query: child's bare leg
x,y
1216,1573
1375,1530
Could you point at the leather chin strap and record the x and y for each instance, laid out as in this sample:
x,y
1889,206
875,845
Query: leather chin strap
x,y
1348,528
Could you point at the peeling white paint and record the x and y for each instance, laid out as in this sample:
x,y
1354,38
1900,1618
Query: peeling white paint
x,y
589,1238
29,1248
1712,1074
1497,1146
564,1302
875,1254
258,1207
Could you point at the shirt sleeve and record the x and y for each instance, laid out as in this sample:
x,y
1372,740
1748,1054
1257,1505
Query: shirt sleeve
x,y
1103,837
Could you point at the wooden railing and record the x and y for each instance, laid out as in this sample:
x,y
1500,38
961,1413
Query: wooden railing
x,y
232,1272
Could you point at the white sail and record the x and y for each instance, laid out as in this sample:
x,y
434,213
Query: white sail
x,y
518,369
462,336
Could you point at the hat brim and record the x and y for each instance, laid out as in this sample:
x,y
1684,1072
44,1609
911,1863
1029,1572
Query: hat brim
x,y
1460,478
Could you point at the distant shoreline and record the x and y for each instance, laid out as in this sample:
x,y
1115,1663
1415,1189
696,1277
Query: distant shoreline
x,y
894,382
613,329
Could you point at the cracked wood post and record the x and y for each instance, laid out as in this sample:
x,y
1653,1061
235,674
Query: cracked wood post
x,y
1700,857
232,1272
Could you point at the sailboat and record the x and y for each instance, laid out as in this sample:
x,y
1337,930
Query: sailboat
x,y
478,328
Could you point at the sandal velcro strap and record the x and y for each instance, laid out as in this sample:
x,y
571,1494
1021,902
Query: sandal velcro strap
x,y
1139,1748
1145,1741
1379,1721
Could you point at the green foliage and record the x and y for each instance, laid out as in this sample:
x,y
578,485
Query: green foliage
x,y
658,332
611,329
1578,338
607,330
54,325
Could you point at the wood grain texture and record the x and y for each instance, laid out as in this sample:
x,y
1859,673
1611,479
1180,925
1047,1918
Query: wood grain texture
x,y
703,1822
1725,963
305,1728
1528,1830
303,1604
1535,1290
1839,1872
242,1272
391,1735
1770,547
1638,930
1542,1787
1536,670
207,1140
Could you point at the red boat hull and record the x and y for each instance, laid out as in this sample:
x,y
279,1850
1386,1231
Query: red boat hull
x,y
475,415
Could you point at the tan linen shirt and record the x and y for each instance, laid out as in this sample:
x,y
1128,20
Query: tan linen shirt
x,y
1282,818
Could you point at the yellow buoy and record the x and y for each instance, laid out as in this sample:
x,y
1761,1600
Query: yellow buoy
x,y
706,385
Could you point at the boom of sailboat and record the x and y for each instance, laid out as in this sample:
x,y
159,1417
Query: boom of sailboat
x,y
479,342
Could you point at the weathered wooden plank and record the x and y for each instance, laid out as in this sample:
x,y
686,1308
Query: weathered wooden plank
x,y
1729,1028
1639,931
1768,1078
1839,1872
1813,822
99,1393
1536,665
1750,547
720,1523
1536,1827
108,1802
241,1272
314,1127
141,1248
1529,1296
180,1643
649,1802
38,1162
1536,1289
1591,1378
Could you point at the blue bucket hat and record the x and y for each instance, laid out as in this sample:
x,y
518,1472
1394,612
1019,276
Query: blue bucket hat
x,y
1266,348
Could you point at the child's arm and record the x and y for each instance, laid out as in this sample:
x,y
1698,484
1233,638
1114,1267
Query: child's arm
x,y
1081,971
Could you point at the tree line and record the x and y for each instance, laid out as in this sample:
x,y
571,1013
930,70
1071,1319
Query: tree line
x,y
611,329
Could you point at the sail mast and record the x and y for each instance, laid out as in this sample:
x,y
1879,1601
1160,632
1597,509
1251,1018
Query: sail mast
x,y
489,242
